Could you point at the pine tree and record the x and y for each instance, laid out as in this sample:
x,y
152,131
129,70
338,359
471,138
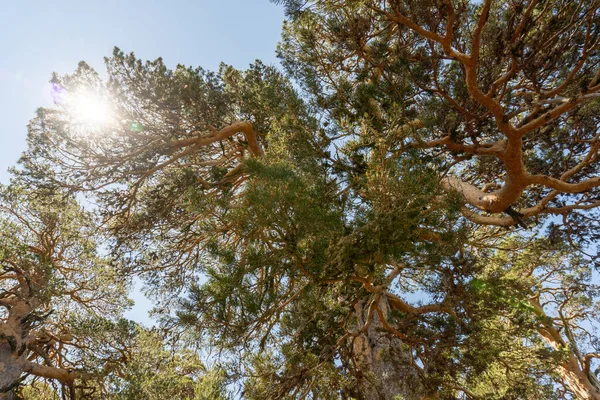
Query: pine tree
x,y
404,211
52,282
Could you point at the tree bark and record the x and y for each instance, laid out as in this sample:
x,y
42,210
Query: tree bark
x,y
11,369
384,360
570,370
15,342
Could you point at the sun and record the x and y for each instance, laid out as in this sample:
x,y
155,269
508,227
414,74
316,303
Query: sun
x,y
89,108
85,106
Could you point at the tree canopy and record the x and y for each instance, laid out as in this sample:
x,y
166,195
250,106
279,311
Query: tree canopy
x,y
408,209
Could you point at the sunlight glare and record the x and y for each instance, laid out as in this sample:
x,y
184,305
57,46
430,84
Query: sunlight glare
x,y
90,108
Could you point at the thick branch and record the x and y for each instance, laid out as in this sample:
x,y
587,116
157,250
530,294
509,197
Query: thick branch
x,y
48,372
562,186
244,127
556,112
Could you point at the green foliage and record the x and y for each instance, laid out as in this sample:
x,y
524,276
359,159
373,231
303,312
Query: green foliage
x,y
155,371
315,239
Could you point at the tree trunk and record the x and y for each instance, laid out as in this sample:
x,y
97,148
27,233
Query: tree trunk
x,y
12,346
384,361
11,369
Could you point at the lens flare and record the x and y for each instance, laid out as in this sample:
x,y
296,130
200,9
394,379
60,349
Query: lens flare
x,y
58,93
136,127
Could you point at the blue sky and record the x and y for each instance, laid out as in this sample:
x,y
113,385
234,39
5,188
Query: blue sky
x,y
38,37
